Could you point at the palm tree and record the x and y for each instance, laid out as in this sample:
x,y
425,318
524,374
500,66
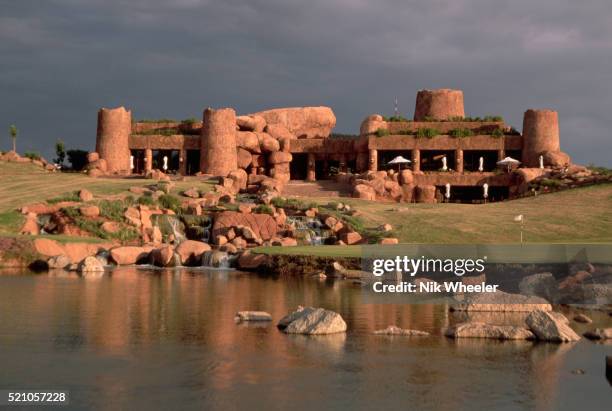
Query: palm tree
x,y
13,132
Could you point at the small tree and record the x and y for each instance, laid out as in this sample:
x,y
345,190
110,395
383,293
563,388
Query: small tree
x,y
77,159
60,151
13,132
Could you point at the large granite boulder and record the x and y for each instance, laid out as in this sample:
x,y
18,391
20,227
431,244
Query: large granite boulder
x,y
483,330
313,321
501,302
190,251
264,226
549,326
90,265
599,334
302,122
129,255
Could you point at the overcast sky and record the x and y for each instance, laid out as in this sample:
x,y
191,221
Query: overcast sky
x,y
61,60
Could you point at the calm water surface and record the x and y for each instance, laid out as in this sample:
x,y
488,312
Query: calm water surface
x,y
167,340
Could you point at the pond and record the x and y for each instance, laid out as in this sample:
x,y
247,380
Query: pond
x,y
166,339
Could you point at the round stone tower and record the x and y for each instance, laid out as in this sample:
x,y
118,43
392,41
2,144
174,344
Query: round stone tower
x,y
218,155
540,135
440,104
112,140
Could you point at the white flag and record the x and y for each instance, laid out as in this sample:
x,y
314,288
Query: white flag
x,y
518,218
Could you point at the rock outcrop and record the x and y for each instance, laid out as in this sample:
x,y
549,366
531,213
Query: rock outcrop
x,y
302,122
483,330
502,302
550,326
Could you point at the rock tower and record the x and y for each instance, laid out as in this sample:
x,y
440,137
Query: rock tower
x,y
441,104
218,153
540,135
112,142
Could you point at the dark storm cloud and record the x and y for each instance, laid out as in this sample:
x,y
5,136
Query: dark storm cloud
x,y
63,59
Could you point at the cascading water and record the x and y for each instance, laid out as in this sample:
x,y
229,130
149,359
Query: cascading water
x,y
170,224
216,259
308,229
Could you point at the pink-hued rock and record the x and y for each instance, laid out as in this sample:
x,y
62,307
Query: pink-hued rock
x,y
279,157
248,141
267,143
92,157
89,211
129,255
163,256
251,123
364,192
244,158
85,195
350,237
302,122
263,225
190,252
30,226
389,241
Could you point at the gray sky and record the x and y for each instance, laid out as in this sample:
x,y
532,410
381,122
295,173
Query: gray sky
x,y
61,60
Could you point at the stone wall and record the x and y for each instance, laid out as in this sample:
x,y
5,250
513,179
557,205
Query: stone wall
x,y
161,142
445,142
112,142
218,154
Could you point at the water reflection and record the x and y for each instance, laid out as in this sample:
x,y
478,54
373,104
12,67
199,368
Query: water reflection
x,y
136,339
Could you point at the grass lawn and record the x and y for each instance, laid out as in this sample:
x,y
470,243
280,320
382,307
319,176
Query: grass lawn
x,y
22,184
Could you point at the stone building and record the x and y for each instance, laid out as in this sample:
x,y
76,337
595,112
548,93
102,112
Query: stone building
x,y
444,147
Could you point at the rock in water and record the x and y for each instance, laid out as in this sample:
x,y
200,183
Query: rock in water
x,y
312,321
582,318
502,302
549,326
91,265
252,316
395,330
483,330
599,334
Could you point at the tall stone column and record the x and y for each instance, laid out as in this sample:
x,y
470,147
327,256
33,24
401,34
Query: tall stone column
x,y
148,160
501,154
310,164
218,155
441,104
362,162
112,140
540,134
459,160
373,160
416,159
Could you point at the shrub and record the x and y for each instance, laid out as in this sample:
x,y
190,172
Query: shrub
x,y
382,132
113,210
32,155
427,132
146,200
263,209
498,132
77,159
461,132
73,196
189,121
493,118
396,119
170,202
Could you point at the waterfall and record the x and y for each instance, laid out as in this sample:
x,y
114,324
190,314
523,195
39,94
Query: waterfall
x,y
170,224
308,229
217,259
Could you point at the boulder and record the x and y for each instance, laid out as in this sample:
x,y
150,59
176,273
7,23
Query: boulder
x,y
395,330
599,334
239,178
388,241
111,227
244,158
251,123
252,316
192,193
89,211
263,226
59,261
93,156
48,247
30,225
406,177
542,285
582,318
90,265
163,256
350,237
132,215
549,326
556,159
267,143
279,132
278,157
364,192
284,242
372,124
482,330
85,195
128,255
248,141
501,302
312,321
190,252
302,122
426,194
251,261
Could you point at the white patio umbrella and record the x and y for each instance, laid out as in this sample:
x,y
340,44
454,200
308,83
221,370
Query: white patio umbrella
x,y
508,162
399,160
